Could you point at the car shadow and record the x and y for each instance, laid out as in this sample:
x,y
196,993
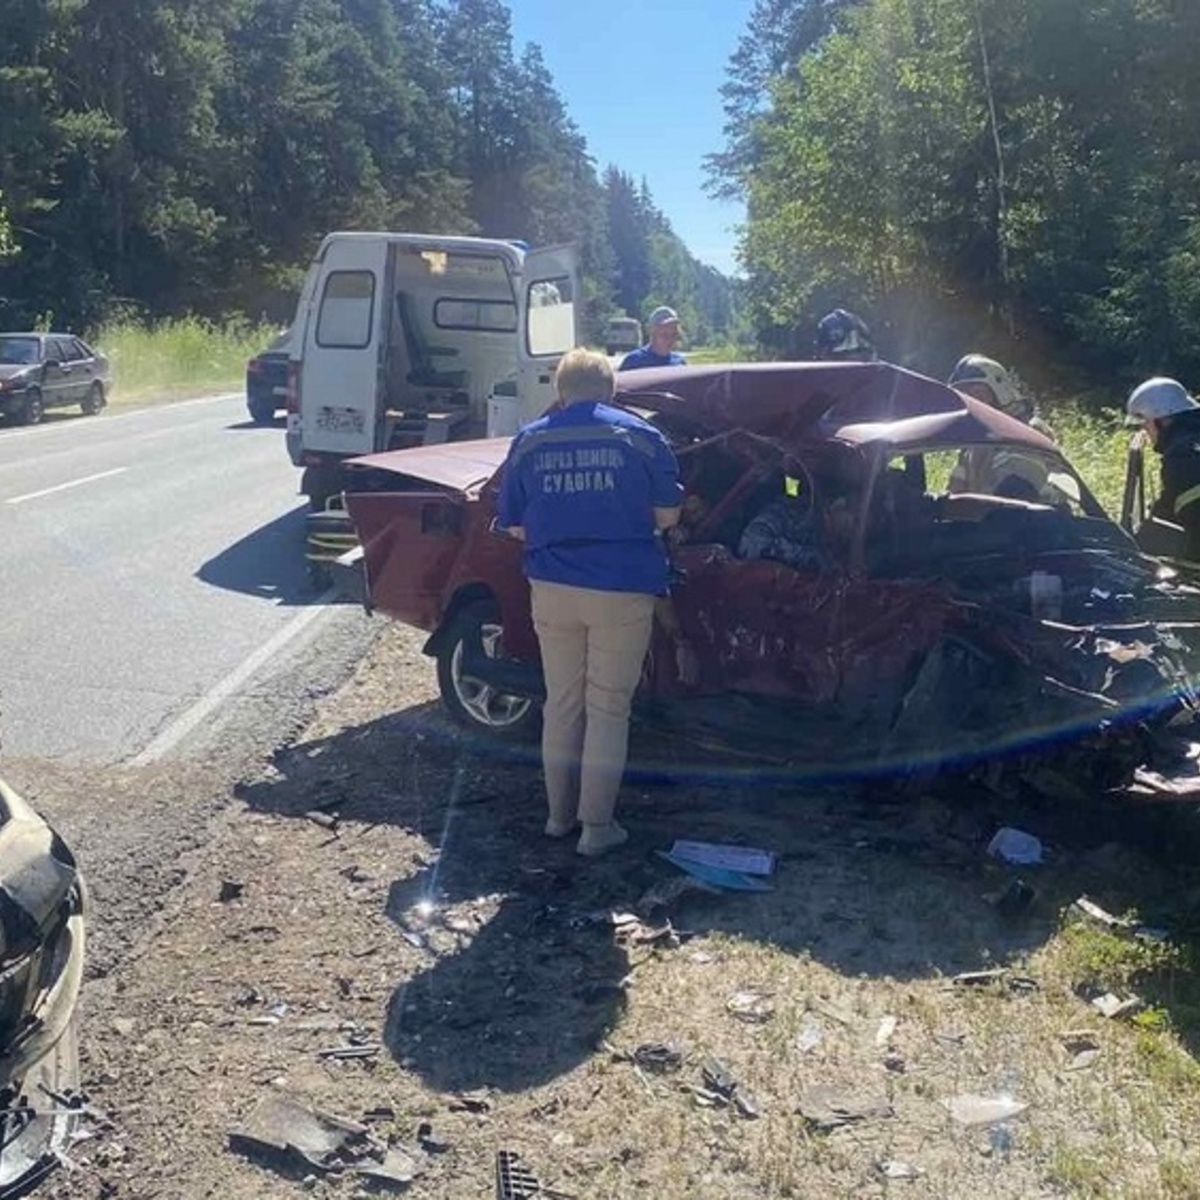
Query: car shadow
x,y
52,416
269,562
525,968
274,423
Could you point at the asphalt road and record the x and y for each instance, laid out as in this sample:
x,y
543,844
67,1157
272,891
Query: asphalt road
x,y
152,566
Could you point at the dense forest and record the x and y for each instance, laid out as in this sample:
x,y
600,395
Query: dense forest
x,y
976,174
973,174
161,157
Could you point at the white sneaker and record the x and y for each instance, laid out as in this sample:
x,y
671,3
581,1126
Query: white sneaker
x,y
560,829
596,839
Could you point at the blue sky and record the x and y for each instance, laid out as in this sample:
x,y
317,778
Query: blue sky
x,y
640,79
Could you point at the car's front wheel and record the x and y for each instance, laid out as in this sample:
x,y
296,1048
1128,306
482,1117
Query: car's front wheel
x,y
472,702
93,402
33,409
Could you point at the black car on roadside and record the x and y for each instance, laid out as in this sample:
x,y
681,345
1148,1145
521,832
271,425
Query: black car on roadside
x,y
266,380
49,370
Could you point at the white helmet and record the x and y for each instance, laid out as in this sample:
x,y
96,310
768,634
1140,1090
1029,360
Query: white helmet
x,y
975,368
1157,398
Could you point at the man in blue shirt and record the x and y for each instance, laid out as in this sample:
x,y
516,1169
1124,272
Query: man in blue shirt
x,y
588,488
660,350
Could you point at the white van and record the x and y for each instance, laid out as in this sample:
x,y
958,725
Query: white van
x,y
622,335
406,339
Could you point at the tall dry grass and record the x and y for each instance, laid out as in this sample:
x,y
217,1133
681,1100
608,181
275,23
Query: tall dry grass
x,y
182,357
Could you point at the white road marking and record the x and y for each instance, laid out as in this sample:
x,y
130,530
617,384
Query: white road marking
x,y
180,728
62,487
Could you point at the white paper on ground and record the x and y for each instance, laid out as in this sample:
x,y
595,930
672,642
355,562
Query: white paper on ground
x,y
971,1110
730,858
1015,846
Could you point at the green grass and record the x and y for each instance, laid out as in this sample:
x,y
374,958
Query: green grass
x,y
699,356
174,359
1099,958
1095,443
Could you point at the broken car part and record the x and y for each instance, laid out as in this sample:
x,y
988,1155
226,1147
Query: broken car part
x,y
42,913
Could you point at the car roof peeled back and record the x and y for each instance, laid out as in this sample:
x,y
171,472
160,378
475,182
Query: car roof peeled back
x,y
805,403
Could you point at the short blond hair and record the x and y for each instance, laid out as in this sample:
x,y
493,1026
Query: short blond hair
x,y
584,375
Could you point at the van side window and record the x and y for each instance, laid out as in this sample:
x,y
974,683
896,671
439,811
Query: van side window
x,y
347,310
551,317
487,316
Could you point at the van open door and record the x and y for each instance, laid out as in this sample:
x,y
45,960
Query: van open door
x,y
551,310
342,350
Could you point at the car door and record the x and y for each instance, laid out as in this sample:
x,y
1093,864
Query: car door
x,y
89,365
550,306
340,344
78,367
759,626
57,375
1163,539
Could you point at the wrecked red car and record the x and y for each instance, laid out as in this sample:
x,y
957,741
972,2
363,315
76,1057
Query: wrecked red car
x,y
951,590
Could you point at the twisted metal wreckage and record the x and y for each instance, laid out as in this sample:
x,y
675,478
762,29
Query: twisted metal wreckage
x,y
967,605
42,911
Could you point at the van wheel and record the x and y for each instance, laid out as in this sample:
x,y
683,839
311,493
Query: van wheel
x,y
33,409
471,702
262,412
93,402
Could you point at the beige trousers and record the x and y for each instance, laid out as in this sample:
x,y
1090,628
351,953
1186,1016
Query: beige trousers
x,y
593,645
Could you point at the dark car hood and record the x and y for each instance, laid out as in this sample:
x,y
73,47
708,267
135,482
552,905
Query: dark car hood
x,y
12,370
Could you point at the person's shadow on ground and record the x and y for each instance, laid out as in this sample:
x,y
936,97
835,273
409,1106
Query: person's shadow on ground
x,y
536,983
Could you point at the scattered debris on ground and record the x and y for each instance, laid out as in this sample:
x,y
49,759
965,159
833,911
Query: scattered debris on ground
x,y
423,995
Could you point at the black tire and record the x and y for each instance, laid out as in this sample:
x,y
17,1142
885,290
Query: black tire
x,y
320,484
262,412
93,402
320,577
33,408
473,704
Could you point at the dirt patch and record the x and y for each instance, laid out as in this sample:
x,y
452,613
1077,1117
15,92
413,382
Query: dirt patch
x,y
374,926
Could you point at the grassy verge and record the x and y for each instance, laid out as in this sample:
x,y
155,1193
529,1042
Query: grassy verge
x,y
175,359
1095,442
698,356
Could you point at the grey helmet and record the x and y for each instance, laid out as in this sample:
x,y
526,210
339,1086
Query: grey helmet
x,y
1005,395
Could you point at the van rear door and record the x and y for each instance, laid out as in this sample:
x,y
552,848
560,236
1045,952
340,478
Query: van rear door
x,y
342,353
550,310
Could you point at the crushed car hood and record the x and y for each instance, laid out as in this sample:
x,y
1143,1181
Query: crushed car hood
x,y
42,904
